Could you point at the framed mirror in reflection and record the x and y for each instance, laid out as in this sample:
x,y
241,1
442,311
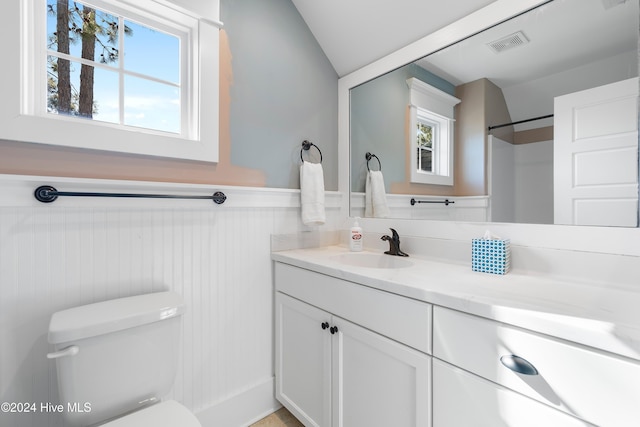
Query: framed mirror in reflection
x,y
543,116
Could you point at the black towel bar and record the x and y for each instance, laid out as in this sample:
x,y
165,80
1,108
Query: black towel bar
x,y
48,194
446,202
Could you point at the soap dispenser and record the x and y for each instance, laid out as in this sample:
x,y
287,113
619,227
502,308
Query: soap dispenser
x,y
355,237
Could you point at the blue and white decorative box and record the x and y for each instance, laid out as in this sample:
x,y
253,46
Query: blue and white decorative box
x,y
491,255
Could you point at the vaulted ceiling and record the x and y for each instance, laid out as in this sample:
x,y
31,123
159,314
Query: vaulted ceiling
x,y
596,39
354,33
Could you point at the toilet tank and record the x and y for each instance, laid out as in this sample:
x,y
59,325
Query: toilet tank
x,y
115,356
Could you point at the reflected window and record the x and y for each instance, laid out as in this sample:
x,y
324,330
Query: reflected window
x,y
432,146
424,141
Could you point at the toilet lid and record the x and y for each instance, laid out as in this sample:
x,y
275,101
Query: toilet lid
x,y
165,414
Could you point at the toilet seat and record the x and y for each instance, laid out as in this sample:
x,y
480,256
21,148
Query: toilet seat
x,y
164,414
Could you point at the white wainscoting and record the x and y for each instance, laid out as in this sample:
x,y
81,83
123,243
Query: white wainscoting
x,y
80,250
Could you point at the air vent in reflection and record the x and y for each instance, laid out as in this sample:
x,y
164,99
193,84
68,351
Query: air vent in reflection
x,y
608,4
508,42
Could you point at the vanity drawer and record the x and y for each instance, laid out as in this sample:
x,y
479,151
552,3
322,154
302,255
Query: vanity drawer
x,y
463,399
595,386
402,319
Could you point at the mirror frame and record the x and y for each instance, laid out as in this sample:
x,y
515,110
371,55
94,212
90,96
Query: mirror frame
x,y
624,241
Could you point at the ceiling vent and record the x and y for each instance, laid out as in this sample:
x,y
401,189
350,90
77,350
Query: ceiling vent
x,y
508,42
608,4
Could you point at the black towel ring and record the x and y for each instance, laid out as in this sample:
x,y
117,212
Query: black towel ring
x,y
306,145
369,156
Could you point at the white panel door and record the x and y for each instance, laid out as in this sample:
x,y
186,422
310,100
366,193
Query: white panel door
x,y
378,382
303,361
596,156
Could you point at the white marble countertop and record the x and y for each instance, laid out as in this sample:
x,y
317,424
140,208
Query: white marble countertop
x,y
605,318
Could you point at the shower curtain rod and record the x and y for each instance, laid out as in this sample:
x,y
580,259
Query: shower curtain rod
x,y
520,121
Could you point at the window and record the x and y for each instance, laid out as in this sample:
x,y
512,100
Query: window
x,y
426,132
433,143
104,67
431,146
129,76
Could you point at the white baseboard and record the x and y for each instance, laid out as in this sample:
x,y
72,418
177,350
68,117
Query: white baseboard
x,y
243,409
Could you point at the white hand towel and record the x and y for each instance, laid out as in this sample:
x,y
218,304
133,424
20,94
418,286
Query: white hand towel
x,y
312,193
374,196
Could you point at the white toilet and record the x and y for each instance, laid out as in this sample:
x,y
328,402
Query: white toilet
x,y
116,359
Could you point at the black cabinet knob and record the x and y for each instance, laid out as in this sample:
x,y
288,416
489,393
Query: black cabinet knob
x,y
325,325
333,329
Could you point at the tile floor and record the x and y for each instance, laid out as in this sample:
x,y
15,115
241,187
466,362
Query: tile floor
x,y
280,418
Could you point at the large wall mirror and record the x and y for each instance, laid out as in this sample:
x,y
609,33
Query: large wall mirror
x,y
543,123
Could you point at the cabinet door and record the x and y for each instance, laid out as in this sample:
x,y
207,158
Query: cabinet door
x,y
462,399
377,381
303,361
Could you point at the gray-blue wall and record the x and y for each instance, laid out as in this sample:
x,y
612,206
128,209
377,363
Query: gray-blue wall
x,y
284,91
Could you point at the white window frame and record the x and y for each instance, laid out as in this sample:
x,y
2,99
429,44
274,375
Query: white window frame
x,y
431,105
23,114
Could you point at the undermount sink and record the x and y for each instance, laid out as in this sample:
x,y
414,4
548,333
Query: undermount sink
x,y
369,260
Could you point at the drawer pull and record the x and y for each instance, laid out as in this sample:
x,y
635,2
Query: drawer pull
x,y
325,325
72,350
333,330
518,364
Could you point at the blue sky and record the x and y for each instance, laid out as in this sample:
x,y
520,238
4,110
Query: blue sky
x,y
147,103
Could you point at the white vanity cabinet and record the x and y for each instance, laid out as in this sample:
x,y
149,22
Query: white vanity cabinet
x,y
348,355
435,344
567,384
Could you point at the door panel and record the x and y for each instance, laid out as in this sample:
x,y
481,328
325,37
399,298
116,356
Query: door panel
x,y
378,382
303,361
596,156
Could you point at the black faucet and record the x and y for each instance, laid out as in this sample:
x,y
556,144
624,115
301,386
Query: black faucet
x,y
394,244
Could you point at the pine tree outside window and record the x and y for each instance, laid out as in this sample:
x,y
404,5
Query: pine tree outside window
x,y
424,142
104,67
